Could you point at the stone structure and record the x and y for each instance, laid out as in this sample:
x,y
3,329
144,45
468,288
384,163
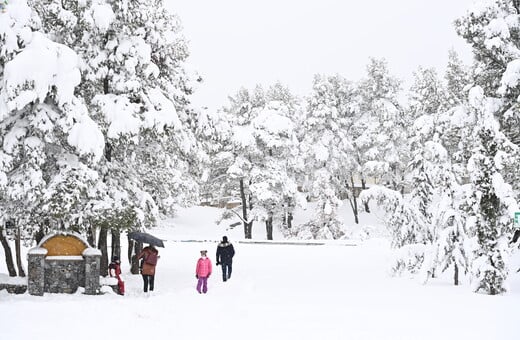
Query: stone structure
x,y
14,288
61,263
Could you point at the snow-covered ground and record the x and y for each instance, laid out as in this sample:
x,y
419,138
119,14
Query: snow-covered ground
x,y
330,291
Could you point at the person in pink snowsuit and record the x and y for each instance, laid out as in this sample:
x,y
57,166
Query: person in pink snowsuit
x,y
203,272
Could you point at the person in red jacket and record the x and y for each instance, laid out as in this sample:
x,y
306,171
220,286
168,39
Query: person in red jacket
x,y
114,269
203,272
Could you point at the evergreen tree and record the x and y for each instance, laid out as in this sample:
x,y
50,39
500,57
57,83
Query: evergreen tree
x,y
456,78
407,227
492,31
427,96
137,90
380,141
272,181
50,144
328,154
491,202
427,100
449,250
259,155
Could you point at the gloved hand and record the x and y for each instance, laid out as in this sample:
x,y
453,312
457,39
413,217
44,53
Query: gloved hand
x,y
196,276
218,263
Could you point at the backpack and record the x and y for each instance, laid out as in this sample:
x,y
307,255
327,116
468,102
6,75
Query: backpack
x,y
151,258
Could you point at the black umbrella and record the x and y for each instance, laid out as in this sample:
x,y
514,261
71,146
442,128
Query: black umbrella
x,y
145,238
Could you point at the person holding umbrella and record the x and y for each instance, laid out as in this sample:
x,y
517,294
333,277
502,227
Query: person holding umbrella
x,y
150,255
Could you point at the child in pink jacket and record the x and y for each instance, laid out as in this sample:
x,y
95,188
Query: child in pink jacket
x,y
203,272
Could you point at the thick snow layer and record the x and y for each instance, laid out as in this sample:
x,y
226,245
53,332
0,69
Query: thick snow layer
x,y
243,136
86,136
329,291
103,16
43,65
38,251
91,252
510,77
120,113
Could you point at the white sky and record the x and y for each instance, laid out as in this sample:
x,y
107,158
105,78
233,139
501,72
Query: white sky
x,y
235,43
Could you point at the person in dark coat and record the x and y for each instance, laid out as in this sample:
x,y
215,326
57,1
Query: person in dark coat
x,y
225,253
150,255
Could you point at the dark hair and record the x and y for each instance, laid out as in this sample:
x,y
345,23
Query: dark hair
x,y
224,239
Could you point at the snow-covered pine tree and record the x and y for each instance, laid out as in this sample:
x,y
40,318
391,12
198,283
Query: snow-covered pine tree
x,y
440,208
338,96
214,134
238,152
328,154
491,28
272,183
427,98
449,249
136,89
454,124
49,143
380,141
491,203
258,155
407,227
427,95
422,189
290,107
457,79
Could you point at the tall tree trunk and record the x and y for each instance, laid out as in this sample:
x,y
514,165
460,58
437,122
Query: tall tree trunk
x,y
289,220
18,241
248,226
456,275
134,248
364,186
116,243
8,254
103,246
91,236
130,250
353,201
269,226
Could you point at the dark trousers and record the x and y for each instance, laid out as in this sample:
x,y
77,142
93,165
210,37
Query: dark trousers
x,y
148,282
226,271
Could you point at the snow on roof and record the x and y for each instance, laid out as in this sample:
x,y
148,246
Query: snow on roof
x,y
91,252
38,251
73,234
65,257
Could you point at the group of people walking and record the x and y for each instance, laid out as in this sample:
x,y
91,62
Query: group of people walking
x,y
149,257
225,253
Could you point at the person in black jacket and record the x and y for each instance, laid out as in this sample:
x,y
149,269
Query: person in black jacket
x,y
225,253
